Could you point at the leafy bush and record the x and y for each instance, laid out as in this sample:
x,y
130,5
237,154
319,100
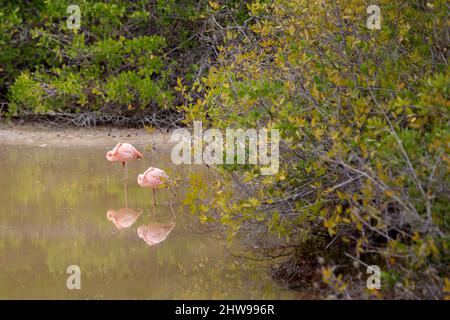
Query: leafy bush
x,y
363,115
364,157
123,60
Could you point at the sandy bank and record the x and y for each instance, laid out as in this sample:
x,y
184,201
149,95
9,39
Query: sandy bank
x,y
41,135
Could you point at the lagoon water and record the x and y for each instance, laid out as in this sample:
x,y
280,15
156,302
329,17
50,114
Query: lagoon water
x,y
62,206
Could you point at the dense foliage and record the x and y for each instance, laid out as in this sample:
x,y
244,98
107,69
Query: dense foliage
x,y
363,115
122,61
364,120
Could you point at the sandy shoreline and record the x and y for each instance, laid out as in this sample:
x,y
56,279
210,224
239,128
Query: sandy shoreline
x,y
41,135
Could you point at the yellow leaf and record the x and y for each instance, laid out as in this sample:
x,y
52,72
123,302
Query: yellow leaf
x,y
214,5
149,129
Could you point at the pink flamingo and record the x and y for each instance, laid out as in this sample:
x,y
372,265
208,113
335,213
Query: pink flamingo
x,y
155,233
123,152
152,178
123,218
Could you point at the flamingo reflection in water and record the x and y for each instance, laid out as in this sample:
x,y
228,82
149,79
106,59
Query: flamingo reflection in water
x,y
154,233
124,217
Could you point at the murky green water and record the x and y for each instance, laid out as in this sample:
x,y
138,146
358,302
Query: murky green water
x,y
66,206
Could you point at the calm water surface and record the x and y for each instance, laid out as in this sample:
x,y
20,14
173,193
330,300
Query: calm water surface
x,y
63,206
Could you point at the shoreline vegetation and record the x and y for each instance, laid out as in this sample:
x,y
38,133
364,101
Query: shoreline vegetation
x,y
162,119
363,116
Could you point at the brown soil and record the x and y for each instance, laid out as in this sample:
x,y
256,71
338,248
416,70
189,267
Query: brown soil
x,y
44,135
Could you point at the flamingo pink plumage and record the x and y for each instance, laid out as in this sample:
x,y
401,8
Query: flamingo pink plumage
x,y
123,152
152,178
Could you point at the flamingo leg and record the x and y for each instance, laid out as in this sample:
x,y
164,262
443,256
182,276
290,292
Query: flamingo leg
x,y
125,174
125,189
154,197
125,170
